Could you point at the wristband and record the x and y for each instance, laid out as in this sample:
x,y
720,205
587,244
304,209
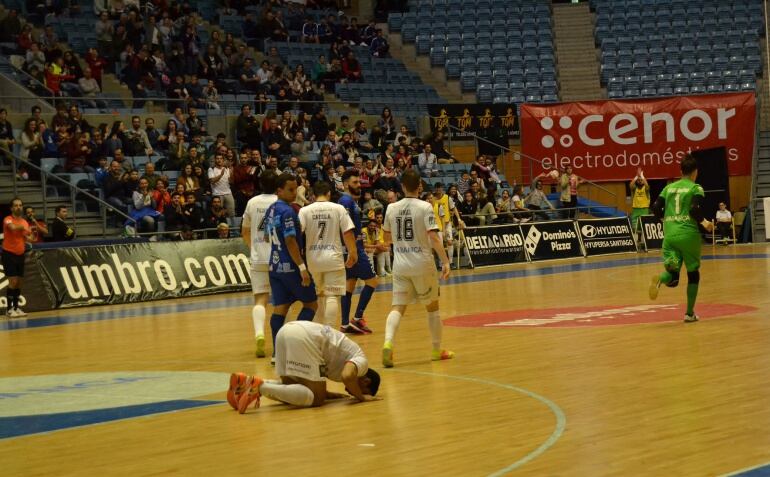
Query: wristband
x,y
302,267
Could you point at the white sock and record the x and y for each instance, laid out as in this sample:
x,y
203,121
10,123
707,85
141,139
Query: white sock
x,y
436,328
331,310
258,316
321,310
381,264
391,325
386,259
451,252
294,394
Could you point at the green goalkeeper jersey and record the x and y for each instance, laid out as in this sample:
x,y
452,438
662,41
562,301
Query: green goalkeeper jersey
x,y
679,196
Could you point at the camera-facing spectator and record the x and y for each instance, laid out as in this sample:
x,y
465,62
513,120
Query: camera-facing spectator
x,y
37,228
60,231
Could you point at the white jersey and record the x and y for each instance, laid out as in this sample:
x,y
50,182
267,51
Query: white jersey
x,y
335,349
323,224
254,218
409,220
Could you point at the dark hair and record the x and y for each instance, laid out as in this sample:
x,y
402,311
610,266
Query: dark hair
x,y
689,165
14,200
322,188
349,173
374,377
438,185
411,180
59,208
280,181
343,117
267,181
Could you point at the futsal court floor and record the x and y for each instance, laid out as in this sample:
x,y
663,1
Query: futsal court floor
x,y
563,369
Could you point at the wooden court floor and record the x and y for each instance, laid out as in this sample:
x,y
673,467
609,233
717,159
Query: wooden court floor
x,y
556,384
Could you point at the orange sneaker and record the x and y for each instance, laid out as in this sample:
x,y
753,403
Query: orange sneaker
x,y
251,394
441,355
237,386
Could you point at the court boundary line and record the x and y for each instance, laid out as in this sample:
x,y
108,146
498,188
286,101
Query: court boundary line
x,y
168,306
561,418
745,470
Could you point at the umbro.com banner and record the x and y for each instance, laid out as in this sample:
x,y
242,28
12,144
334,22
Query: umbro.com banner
x,y
609,140
130,273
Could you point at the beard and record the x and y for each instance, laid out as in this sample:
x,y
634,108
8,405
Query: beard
x,y
355,192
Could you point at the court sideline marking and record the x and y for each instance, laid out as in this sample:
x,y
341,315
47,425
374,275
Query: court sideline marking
x,y
86,317
561,418
761,470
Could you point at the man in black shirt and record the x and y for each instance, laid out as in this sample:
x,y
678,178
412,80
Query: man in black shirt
x,y
60,231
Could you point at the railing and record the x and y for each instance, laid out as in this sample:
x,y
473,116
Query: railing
x,y
594,190
74,191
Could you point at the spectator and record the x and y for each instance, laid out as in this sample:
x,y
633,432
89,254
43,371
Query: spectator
x,y
640,193
55,74
223,231
10,26
352,69
117,137
160,194
468,208
245,176
388,126
724,223
154,136
520,212
77,150
320,68
178,91
102,171
24,40
361,137
428,163
31,146
89,88
72,65
264,74
273,138
151,176
247,128
60,231
537,200
215,214
210,64
475,179
299,148
443,156
211,95
38,228
7,138
220,177
275,59
195,124
485,212
569,183
379,46
34,58
114,187
144,212
96,63
274,27
309,31
378,251
173,213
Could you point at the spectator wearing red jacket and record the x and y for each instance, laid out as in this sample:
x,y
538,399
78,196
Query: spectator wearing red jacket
x,y
352,69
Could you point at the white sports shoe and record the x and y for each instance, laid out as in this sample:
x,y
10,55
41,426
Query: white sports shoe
x,y
20,313
11,313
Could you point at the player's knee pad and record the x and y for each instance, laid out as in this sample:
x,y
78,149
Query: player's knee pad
x,y
674,279
693,278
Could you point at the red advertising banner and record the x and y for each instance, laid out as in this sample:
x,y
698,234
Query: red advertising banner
x,y
609,140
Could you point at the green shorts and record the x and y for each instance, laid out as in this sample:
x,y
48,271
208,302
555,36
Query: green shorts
x,y
684,248
635,214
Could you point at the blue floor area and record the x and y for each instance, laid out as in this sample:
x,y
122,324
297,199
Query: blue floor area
x,y
24,425
166,307
763,471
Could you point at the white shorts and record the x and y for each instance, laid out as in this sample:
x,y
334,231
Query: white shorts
x,y
296,354
410,290
330,283
260,281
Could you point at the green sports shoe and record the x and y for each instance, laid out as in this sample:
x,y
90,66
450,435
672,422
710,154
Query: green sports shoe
x,y
260,346
387,354
654,287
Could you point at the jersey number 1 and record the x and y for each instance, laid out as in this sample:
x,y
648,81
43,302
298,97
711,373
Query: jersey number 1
x,y
404,228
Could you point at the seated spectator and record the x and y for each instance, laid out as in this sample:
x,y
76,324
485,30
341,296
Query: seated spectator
x,y
211,95
520,211
274,27
371,206
210,64
7,138
195,124
34,58
10,26
154,136
485,212
247,128
173,213
437,146
160,194
428,163
102,171
178,91
60,231
144,212
151,176
468,208
55,74
376,249
309,31
223,231
96,64
361,137
89,88
72,65
24,40
275,60
352,69
724,223
137,142
320,68
369,32
299,148
77,150
114,187
379,46
216,214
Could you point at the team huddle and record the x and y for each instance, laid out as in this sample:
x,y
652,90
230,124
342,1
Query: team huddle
x,y
316,257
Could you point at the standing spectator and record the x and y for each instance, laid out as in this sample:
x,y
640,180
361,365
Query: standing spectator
x,y
16,234
178,91
569,183
24,40
31,146
220,177
245,176
38,228
60,231
96,63
247,128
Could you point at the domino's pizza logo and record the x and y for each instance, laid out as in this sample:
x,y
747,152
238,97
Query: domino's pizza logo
x,y
532,240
